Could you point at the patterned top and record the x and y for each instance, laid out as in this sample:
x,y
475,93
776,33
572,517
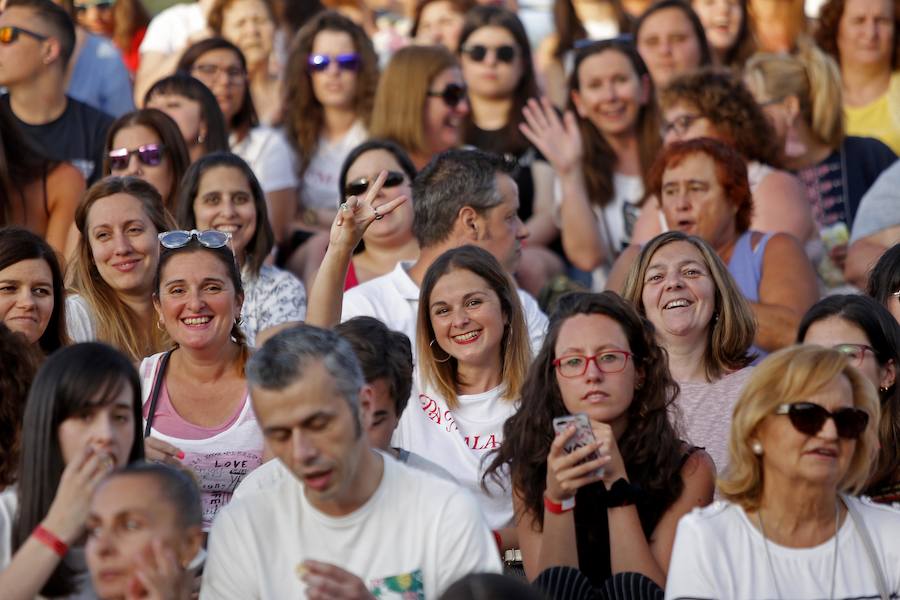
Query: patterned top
x,y
272,298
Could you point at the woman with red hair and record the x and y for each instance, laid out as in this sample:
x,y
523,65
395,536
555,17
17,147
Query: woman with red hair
x,y
702,189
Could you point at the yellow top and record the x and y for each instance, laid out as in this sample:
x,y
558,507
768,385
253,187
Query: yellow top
x,y
878,119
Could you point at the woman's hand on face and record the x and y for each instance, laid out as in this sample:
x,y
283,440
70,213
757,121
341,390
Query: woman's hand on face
x,y
564,475
615,466
158,576
558,140
70,506
159,451
356,214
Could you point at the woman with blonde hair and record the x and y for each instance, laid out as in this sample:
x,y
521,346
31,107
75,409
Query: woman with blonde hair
x,y
700,317
801,96
421,102
111,275
803,442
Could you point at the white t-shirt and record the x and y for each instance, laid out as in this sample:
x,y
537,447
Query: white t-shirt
x,y
272,298
79,322
393,299
616,220
461,441
169,31
319,189
270,156
415,536
718,553
273,471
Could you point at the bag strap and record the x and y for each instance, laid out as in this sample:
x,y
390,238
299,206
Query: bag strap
x,y
155,390
863,531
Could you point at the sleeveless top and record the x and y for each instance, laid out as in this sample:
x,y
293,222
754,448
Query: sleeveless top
x,y
745,266
592,526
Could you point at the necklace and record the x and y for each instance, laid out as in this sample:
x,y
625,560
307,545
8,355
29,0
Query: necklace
x,y
762,529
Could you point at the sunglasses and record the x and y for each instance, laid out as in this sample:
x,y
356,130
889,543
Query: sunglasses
x,y
452,94
149,154
808,418
98,4
179,238
10,34
345,62
477,52
359,186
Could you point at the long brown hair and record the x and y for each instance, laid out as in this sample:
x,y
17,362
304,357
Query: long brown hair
x,y
305,116
117,323
600,159
650,447
129,17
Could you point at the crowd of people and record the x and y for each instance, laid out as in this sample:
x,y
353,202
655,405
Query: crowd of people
x,y
494,299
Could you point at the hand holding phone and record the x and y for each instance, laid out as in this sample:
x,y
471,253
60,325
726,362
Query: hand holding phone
x,y
583,436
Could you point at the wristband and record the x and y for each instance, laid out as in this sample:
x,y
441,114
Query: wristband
x,y
558,508
498,540
622,493
50,540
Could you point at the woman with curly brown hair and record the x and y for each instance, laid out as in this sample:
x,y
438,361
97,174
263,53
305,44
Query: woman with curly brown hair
x,y
862,35
715,104
630,484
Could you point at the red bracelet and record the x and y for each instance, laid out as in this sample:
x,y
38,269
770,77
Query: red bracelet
x,y
561,507
50,540
498,540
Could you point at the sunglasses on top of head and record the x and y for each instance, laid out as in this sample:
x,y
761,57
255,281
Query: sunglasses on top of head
x,y
809,418
478,52
345,62
358,187
452,94
10,34
179,238
149,154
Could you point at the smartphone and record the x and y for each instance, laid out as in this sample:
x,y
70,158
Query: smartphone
x,y
583,436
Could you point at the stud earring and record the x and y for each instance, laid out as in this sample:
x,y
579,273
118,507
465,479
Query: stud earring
x,y
756,447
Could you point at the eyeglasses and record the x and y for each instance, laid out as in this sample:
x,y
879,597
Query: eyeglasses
x,y
575,365
149,154
179,238
770,102
232,74
680,125
10,34
478,52
317,63
808,418
359,186
452,94
81,7
623,39
855,352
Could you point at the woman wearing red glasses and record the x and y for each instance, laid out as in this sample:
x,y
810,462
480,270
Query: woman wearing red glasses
x,y
609,507
867,333
803,443
147,144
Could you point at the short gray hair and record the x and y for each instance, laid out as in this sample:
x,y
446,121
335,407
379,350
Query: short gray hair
x,y
283,359
452,180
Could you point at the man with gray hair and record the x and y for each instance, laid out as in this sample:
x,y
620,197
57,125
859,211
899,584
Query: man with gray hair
x,y
461,197
351,522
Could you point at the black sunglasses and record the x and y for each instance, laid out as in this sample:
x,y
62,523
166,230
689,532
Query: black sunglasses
x,y
478,52
452,94
808,418
345,62
149,154
359,186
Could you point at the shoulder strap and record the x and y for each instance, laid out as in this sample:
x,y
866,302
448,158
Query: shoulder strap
x,y
870,548
155,390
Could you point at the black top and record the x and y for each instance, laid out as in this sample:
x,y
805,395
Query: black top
x,y
77,136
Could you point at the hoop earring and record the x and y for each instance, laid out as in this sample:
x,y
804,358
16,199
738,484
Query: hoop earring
x,y
160,326
446,358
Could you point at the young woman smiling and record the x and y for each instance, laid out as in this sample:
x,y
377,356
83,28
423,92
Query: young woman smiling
x,y
727,28
111,274
220,192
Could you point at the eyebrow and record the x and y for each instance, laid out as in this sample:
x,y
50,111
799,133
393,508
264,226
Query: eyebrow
x,y
464,298
683,263
574,350
125,224
204,280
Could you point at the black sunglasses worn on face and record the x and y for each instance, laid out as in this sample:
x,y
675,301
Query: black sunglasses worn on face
x,y
478,52
10,34
452,94
345,62
179,238
359,186
808,418
149,154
